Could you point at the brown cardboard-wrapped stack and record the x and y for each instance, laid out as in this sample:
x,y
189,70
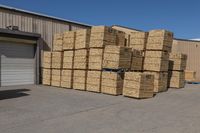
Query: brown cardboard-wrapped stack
x,y
116,57
138,40
112,83
177,65
138,85
156,60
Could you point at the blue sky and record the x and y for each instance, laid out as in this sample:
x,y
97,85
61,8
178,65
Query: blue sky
x,y
180,16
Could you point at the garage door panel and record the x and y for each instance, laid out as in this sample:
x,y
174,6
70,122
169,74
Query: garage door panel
x,y
17,64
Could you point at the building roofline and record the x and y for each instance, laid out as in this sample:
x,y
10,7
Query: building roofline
x,y
178,39
126,27
19,33
42,15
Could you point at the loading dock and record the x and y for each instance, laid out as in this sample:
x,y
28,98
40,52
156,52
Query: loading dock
x,y
19,57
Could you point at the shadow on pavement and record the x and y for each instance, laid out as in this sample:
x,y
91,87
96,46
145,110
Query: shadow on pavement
x,y
9,94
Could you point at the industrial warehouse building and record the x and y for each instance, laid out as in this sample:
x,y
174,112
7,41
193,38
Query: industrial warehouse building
x,y
21,49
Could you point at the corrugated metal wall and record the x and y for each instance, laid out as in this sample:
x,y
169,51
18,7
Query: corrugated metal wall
x,y
31,23
192,49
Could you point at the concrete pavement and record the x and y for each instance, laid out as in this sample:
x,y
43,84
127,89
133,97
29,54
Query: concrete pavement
x,y
44,109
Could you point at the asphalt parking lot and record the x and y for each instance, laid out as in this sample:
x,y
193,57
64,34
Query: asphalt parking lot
x,y
44,109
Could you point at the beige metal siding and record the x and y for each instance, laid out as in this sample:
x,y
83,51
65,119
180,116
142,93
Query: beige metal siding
x,y
192,49
37,24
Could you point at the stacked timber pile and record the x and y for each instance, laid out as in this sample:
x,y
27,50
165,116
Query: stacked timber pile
x,y
56,68
112,82
138,85
100,37
138,40
156,60
80,62
137,60
177,66
46,71
99,60
116,57
58,42
190,75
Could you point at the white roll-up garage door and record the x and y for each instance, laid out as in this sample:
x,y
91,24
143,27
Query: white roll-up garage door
x,y
17,64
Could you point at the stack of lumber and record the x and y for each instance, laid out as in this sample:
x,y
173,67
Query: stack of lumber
x,y
55,77
136,60
56,68
190,75
138,40
120,38
116,57
177,66
46,68
138,85
156,60
95,59
160,40
66,78
69,40
47,59
160,80
68,59
82,39
79,79
81,59
102,36
94,81
57,58
176,79
112,83
177,62
100,60
46,76
58,42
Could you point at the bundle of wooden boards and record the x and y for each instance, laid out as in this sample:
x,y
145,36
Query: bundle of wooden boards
x,y
156,60
177,65
98,60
